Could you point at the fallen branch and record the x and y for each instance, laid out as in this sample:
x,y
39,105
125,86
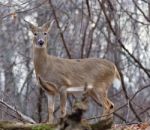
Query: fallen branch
x,y
11,125
68,123
22,116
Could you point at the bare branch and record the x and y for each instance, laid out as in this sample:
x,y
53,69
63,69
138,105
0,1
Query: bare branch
x,y
141,11
120,42
20,114
61,34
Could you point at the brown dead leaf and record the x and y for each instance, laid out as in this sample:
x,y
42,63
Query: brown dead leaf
x,y
142,126
148,128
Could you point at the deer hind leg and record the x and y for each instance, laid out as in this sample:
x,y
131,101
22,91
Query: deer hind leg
x,y
111,106
51,107
100,96
107,105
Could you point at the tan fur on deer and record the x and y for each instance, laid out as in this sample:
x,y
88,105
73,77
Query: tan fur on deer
x,y
98,73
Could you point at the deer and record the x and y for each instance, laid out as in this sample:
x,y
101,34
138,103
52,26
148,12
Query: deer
x,y
60,76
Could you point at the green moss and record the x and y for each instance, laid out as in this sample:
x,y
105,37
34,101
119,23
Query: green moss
x,y
4,124
43,127
103,124
86,125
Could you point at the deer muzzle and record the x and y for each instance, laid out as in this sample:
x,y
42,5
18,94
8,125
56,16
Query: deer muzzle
x,y
40,42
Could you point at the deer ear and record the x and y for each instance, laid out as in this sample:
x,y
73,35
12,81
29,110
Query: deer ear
x,y
47,26
31,26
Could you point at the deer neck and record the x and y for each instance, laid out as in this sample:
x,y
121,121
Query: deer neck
x,y
40,56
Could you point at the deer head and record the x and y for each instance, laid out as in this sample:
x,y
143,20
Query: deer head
x,y
40,38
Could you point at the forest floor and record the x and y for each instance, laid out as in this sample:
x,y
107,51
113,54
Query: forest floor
x,y
9,125
141,126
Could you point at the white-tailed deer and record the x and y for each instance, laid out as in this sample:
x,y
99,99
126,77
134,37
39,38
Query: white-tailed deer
x,y
62,76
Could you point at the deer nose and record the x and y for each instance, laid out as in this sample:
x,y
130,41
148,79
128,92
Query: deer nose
x,y
40,42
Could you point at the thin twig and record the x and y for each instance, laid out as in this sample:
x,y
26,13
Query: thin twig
x,y
61,34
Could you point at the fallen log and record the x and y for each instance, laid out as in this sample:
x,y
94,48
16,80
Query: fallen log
x,y
12,125
70,122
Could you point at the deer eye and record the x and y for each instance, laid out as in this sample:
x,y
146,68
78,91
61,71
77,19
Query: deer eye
x,y
45,33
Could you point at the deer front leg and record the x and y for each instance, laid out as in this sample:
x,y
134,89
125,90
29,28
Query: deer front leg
x,y
51,107
63,102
